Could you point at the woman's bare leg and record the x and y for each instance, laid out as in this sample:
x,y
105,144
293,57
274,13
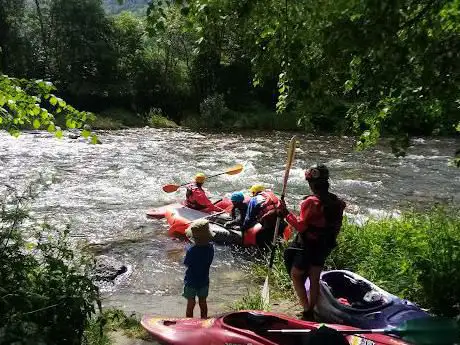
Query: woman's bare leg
x,y
314,275
298,280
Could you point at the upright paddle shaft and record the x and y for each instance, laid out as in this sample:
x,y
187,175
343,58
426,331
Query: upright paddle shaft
x,y
290,159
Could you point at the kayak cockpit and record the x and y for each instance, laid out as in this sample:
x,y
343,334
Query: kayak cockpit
x,y
260,323
353,293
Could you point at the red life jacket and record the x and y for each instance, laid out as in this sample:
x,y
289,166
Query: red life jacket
x,y
269,206
190,197
332,207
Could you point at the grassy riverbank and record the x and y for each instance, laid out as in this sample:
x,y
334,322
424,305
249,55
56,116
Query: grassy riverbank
x,y
416,257
101,329
118,118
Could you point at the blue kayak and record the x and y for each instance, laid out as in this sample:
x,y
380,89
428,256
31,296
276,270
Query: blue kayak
x,y
349,299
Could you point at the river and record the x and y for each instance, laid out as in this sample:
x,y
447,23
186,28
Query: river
x,y
103,191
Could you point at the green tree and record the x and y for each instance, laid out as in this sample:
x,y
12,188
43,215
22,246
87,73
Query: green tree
x,y
31,104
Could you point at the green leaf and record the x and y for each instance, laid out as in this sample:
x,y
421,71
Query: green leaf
x,y
59,134
51,128
85,133
53,100
70,123
36,124
94,139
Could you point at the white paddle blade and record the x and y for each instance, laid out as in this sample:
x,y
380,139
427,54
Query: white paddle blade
x,y
266,294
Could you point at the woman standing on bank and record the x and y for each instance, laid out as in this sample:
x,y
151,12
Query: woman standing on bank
x,y
318,225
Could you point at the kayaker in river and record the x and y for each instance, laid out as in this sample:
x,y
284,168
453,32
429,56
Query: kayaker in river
x,y
318,225
198,260
196,198
238,212
262,208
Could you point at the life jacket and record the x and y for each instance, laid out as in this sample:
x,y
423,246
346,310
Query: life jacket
x,y
269,206
332,207
190,197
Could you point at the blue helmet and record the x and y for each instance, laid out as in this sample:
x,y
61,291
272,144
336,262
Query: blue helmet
x,y
237,197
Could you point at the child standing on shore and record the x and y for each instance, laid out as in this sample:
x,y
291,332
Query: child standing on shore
x,y
198,259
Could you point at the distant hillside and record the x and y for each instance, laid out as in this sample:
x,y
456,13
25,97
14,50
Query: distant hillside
x,y
113,7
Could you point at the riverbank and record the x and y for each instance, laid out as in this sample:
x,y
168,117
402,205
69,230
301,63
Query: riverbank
x,y
414,257
119,118
252,118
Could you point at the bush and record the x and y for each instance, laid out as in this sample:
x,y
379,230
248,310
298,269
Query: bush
x,y
156,119
120,118
213,111
47,295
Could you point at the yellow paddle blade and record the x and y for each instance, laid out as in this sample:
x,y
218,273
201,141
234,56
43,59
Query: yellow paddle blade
x,y
170,188
291,152
235,170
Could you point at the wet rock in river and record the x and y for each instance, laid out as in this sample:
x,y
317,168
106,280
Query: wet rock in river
x,y
108,268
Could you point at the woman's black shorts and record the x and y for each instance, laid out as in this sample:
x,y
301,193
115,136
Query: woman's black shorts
x,y
303,258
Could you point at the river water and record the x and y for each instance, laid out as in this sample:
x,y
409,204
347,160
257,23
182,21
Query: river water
x,y
104,190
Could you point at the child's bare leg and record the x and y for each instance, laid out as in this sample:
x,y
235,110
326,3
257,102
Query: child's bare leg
x,y
203,307
190,306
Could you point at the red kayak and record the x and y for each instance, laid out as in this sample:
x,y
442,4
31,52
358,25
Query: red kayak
x,y
245,327
179,218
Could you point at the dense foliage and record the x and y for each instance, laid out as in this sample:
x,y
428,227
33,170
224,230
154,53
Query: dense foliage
x,y
371,67
47,294
117,6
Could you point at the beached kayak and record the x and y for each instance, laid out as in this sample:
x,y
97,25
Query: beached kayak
x,y
179,218
347,298
245,327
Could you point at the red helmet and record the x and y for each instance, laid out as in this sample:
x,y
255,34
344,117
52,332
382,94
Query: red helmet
x,y
317,172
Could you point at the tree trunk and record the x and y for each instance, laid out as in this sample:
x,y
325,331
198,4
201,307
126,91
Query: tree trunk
x,y
44,40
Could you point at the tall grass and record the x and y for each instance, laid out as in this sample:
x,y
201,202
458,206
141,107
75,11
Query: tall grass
x,y
100,327
416,257
251,301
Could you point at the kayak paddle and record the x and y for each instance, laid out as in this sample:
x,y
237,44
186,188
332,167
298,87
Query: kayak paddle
x,y
170,188
422,331
290,159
